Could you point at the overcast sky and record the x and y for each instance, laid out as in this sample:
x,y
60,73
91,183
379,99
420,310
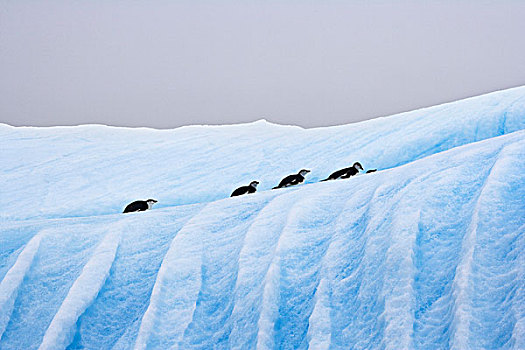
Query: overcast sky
x,y
169,63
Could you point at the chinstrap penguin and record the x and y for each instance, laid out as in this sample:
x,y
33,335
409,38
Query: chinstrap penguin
x,y
294,179
346,172
251,188
371,171
139,205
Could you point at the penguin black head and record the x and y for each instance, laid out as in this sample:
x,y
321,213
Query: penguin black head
x,y
254,184
151,202
303,172
358,166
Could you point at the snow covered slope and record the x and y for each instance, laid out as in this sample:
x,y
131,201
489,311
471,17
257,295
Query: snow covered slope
x,y
427,253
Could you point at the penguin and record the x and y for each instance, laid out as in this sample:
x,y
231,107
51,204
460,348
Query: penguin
x,y
346,172
251,188
371,171
139,205
294,179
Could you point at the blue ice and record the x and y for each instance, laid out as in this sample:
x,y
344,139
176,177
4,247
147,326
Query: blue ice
x,y
426,253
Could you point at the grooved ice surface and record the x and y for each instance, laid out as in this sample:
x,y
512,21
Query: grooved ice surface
x,y
426,253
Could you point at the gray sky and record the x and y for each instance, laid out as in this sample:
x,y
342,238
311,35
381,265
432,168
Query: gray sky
x,y
169,63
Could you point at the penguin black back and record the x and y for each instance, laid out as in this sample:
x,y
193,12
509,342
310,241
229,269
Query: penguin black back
x,y
292,180
139,205
251,188
345,173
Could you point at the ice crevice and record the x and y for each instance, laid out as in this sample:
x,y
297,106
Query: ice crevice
x,y
255,257
222,241
462,314
373,300
14,278
320,322
265,337
307,231
83,291
398,288
342,260
192,262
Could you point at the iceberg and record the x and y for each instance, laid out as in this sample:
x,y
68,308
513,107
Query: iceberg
x,y
426,253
